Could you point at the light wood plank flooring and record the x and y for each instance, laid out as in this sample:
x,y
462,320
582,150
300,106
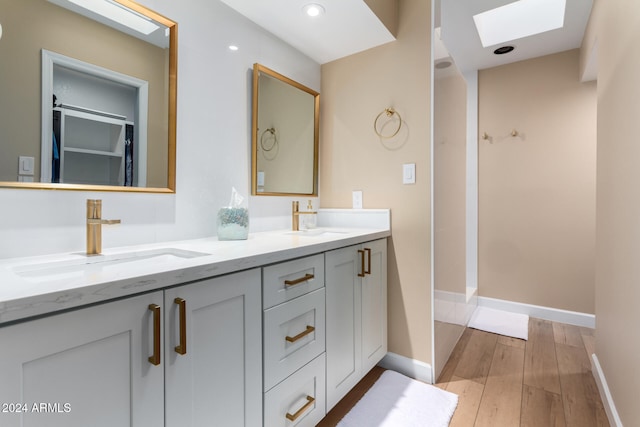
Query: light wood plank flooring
x,y
506,382
545,381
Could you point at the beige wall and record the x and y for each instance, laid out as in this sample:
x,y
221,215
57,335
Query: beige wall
x,y
618,202
387,13
449,174
53,28
354,91
537,190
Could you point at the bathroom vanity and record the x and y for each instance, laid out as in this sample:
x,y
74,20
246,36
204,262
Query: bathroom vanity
x,y
270,331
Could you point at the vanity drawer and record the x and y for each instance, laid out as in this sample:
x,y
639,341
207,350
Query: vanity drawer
x,y
294,334
287,280
301,397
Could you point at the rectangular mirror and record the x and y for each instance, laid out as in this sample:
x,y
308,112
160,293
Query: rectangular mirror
x,y
89,96
285,136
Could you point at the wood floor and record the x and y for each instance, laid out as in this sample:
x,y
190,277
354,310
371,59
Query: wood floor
x,y
506,382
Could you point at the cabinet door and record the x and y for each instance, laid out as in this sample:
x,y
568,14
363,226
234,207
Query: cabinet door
x,y
87,367
218,381
343,334
374,304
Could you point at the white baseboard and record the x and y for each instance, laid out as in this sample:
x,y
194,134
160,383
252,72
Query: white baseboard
x,y
605,393
546,313
410,367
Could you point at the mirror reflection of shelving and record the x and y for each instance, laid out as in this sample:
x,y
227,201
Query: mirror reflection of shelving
x,y
91,147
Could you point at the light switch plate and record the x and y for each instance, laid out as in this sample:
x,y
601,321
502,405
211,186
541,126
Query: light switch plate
x,y
357,200
25,165
409,173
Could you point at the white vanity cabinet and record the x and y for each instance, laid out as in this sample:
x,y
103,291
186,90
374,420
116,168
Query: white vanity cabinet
x,y
88,367
294,342
213,345
277,337
356,286
116,364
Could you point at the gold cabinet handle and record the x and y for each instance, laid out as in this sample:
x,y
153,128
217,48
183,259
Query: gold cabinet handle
x,y
306,278
182,308
299,412
361,252
301,334
155,359
368,270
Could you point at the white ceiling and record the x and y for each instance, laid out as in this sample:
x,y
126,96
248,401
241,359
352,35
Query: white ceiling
x,y
347,27
460,37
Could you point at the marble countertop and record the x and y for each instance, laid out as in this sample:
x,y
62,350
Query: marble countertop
x,y
42,285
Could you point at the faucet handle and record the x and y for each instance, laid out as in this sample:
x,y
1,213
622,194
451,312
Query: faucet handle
x,y
94,208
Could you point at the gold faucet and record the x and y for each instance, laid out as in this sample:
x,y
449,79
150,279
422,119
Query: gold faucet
x,y
94,226
295,215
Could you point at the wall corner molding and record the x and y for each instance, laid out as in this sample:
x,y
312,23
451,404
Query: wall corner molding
x,y
605,393
412,368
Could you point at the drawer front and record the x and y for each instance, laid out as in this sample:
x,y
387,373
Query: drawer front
x,y
287,280
301,397
294,334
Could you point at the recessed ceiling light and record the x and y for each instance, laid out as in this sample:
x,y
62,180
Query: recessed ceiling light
x,y
519,19
503,49
443,64
233,47
313,9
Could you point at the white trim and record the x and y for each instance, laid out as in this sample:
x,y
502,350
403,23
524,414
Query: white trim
x,y
540,312
452,307
412,368
605,393
432,224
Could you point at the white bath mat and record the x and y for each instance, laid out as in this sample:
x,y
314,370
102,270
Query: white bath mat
x,y
500,322
399,401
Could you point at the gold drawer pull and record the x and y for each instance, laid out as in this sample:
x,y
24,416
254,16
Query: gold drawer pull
x,y
182,306
155,359
306,278
301,334
368,270
299,412
361,252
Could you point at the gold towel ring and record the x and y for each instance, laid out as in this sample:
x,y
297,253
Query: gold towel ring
x,y
272,131
389,112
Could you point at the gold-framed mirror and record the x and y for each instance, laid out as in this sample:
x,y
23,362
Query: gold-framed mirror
x,y
86,138
285,129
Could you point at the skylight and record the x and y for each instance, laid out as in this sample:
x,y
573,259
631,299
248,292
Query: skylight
x,y
522,18
118,13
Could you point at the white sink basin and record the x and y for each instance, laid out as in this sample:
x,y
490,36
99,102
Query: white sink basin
x,y
102,263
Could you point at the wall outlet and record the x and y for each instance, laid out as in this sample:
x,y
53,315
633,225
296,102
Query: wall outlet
x,y
357,199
